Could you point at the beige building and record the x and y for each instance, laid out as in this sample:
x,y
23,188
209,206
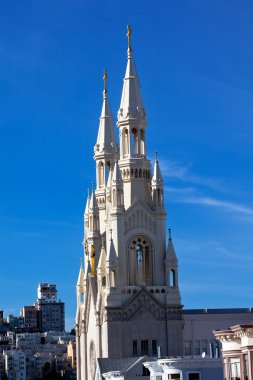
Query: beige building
x,y
128,299
237,351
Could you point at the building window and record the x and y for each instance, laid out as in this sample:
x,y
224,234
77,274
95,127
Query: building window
x,y
197,347
174,376
135,352
154,347
204,346
144,347
235,369
193,376
188,347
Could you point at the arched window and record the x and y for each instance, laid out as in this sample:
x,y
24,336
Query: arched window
x,y
134,142
172,278
142,135
125,143
112,279
82,297
103,281
101,175
140,263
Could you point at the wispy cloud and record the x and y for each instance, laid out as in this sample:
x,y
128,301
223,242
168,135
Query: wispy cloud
x,y
217,203
184,173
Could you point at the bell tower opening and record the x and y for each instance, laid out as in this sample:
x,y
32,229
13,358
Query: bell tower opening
x,y
140,263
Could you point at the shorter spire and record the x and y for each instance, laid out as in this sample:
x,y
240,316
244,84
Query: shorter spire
x,y
171,254
87,203
116,177
93,202
106,139
157,177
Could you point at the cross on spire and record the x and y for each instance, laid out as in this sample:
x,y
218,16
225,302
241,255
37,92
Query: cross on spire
x,y
105,79
129,33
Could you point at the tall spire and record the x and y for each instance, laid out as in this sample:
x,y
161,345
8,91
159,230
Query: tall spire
x,y
131,104
106,140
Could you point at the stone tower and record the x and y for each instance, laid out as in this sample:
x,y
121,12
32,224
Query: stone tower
x,y
128,299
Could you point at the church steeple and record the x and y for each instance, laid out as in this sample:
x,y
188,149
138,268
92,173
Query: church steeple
x,y
106,140
106,144
131,114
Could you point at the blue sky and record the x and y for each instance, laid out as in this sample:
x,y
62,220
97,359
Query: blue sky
x,y
195,63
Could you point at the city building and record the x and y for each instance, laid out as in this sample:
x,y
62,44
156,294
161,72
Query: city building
x,y
50,311
128,295
30,317
237,351
15,364
199,325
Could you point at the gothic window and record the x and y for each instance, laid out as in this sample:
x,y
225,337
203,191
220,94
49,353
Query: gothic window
x,y
142,142
125,143
112,279
144,347
135,353
154,347
172,278
134,142
140,263
103,281
101,174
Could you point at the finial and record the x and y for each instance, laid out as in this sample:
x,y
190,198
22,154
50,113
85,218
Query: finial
x,y
88,190
105,79
156,156
81,262
103,241
170,234
111,234
129,32
92,186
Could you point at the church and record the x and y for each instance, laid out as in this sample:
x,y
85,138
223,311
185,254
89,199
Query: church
x,y
128,298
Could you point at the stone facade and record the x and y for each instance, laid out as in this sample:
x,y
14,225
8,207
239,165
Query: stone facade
x,y
128,299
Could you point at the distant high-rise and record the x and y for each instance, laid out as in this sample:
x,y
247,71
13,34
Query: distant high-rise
x,y
51,315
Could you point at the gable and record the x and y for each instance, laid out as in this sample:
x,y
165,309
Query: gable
x,y
141,306
139,215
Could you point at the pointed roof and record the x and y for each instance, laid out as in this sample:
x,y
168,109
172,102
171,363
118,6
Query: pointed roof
x,y
116,177
93,206
106,139
170,253
112,257
81,275
131,106
157,177
86,212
